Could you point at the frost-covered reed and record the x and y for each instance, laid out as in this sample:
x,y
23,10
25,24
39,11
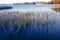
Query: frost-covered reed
x,y
19,19
17,22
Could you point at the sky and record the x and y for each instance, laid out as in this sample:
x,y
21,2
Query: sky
x,y
20,1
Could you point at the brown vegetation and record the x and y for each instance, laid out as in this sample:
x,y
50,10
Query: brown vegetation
x,y
56,9
55,2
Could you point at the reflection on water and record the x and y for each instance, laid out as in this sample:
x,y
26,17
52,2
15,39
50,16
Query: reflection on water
x,y
56,9
40,24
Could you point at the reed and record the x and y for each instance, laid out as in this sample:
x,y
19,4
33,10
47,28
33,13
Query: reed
x,y
15,23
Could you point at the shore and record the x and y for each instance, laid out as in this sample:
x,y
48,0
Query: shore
x,y
48,4
55,9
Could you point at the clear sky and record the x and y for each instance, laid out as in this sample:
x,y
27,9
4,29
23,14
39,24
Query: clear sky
x,y
20,1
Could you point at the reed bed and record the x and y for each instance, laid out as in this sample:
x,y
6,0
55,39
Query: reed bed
x,y
11,19
17,22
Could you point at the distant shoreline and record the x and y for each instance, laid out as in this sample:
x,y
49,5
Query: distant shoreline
x,y
48,4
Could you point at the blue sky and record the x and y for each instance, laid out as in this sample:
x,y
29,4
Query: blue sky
x,y
20,1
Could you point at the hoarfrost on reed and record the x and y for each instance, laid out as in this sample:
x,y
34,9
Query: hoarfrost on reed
x,y
35,20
